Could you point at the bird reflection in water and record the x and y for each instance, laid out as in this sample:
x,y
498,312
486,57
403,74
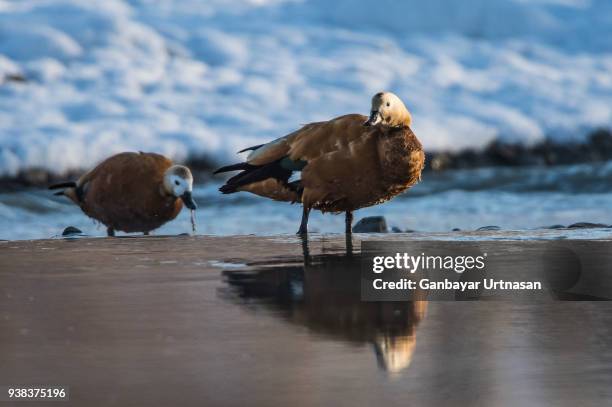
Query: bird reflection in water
x,y
323,293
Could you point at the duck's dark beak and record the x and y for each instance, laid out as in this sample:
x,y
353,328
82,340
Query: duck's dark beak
x,y
374,118
188,200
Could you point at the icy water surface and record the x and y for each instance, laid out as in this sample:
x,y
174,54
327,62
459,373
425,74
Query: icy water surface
x,y
227,321
511,198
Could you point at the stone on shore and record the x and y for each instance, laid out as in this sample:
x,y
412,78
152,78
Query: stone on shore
x,y
586,225
371,224
71,231
490,227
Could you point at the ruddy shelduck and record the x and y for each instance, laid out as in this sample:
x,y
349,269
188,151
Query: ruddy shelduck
x,y
346,163
132,192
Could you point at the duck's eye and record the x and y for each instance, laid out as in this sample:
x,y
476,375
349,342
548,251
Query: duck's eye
x,y
388,104
176,183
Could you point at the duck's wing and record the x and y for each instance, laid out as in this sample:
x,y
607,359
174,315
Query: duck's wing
x,y
268,168
76,191
311,141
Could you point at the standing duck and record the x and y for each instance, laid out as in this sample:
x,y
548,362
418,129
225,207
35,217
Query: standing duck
x,y
132,192
346,163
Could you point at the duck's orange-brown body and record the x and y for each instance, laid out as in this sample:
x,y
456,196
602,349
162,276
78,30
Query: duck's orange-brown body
x,y
347,165
376,164
125,192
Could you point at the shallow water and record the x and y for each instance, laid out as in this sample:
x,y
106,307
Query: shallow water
x,y
512,198
227,321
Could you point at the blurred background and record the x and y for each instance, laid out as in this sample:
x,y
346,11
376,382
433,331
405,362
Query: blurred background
x,y
512,100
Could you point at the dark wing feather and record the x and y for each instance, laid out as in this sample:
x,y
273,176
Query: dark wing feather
x,y
256,174
250,148
235,167
69,184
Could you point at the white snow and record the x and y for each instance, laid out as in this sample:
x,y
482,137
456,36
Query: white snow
x,y
207,78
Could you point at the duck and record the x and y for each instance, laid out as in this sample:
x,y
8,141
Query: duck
x,y
345,164
325,296
132,192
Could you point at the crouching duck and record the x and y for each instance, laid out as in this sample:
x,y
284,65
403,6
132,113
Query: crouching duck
x,y
132,192
346,163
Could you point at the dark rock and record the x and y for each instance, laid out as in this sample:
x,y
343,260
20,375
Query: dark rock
x,y
395,229
35,176
456,230
371,224
586,225
596,147
14,77
490,227
71,230
601,139
553,227
409,231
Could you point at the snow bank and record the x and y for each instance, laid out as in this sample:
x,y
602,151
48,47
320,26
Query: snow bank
x,y
194,78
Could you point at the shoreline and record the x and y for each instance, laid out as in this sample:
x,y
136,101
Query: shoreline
x,y
597,147
578,231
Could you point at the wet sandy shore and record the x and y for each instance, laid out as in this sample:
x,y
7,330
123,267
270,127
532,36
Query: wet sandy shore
x,y
234,320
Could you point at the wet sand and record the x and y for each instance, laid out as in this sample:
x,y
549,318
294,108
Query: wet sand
x,y
245,320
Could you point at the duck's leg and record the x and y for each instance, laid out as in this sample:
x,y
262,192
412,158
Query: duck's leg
x,y
110,231
304,225
348,223
348,239
305,249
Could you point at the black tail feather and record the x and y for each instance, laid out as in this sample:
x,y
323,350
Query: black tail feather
x,y
78,190
69,184
255,174
235,167
251,148
228,189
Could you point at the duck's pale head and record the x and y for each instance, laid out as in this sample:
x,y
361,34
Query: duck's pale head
x,y
178,182
394,353
389,110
